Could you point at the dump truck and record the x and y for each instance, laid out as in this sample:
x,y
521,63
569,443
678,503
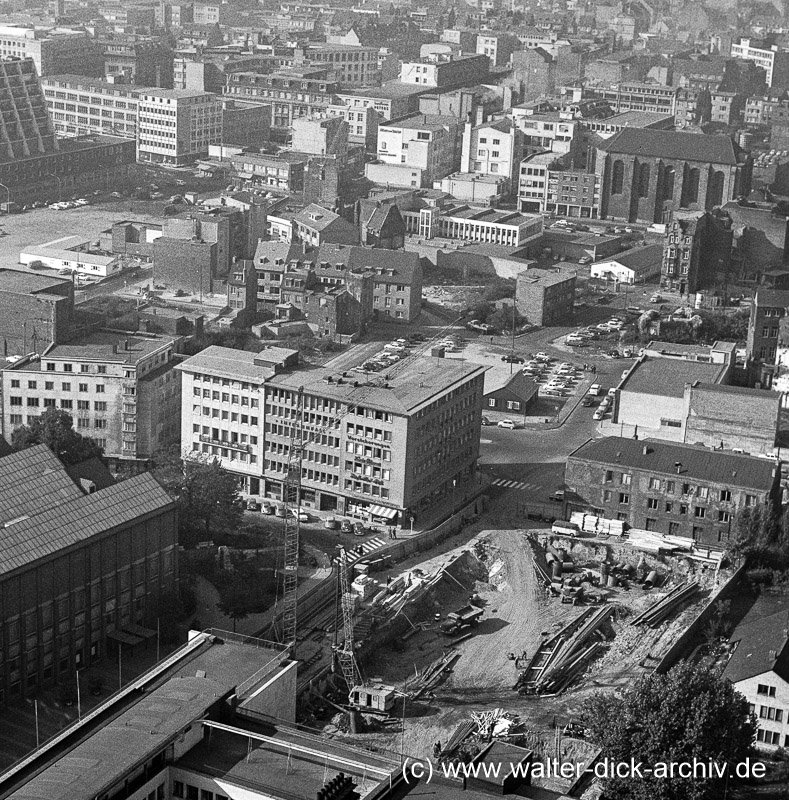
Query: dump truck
x,y
464,617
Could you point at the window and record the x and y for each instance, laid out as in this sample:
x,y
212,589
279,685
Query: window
x,y
618,178
32,385
670,486
66,387
102,370
725,496
624,499
626,478
768,737
68,368
100,388
609,476
83,387
699,512
491,402
49,385
750,499
652,503
100,405
724,516
50,366
768,691
67,404
607,496
654,483
84,368
100,423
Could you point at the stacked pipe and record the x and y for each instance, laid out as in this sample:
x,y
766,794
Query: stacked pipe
x,y
665,607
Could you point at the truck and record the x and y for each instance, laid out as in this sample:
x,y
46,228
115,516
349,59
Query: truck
x,y
465,617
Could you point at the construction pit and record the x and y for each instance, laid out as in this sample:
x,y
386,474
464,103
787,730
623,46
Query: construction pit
x,y
464,690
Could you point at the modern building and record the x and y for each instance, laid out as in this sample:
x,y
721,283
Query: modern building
x,y
73,253
35,311
53,51
646,175
631,266
677,489
773,60
137,59
176,126
351,65
758,668
281,174
391,101
545,297
84,568
416,151
493,148
650,120
446,71
546,185
120,389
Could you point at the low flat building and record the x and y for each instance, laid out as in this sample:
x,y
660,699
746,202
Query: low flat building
x,y
509,394
677,489
79,570
545,297
631,266
73,253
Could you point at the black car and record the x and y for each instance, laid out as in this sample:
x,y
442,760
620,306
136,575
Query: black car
x,y
511,359
614,354
486,421
587,402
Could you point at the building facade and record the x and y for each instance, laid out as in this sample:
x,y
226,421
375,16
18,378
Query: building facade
x,y
54,51
545,297
769,57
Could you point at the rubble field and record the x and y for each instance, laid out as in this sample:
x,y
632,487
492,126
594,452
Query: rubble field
x,y
465,684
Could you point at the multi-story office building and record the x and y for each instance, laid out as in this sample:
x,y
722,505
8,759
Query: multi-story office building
x,y
120,389
351,65
545,297
556,131
140,60
633,96
544,186
416,151
80,571
393,101
773,60
177,126
54,51
678,489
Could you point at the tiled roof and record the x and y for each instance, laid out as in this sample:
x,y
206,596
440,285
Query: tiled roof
x,y
762,646
404,263
678,145
78,519
32,481
701,463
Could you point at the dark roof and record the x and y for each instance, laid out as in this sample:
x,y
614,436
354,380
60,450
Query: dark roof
x,y
75,520
667,376
640,257
93,471
761,647
701,463
772,298
404,263
5,448
32,481
517,383
672,145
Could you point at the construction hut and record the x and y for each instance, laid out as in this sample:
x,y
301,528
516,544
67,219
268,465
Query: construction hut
x,y
373,696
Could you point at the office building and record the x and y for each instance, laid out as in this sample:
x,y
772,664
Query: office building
x,y
545,297
391,101
677,489
493,148
445,71
120,389
53,51
351,65
546,184
137,59
35,311
774,61
646,175
362,124
83,568
176,127
320,134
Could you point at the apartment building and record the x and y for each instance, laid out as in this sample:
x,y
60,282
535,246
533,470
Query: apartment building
x,y
137,59
392,101
446,71
176,126
362,124
773,60
320,134
678,489
769,308
556,131
120,389
766,110
54,50
280,174
497,47
81,570
493,148
545,297
383,452
416,151
351,65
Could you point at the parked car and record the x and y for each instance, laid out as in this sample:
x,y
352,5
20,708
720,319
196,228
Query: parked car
x,y
330,523
614,354
599,414
542,357
301,514
585,260
595,389
359,529
512,359
557,496
253,505
266,507
486,421
588,402
627,353
656,298
506,423
280,512
346,526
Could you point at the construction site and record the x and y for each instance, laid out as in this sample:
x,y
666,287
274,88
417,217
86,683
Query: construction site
x,y
499,638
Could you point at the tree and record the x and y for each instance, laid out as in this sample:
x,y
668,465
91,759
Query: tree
x,y
55,429
690,712
234,602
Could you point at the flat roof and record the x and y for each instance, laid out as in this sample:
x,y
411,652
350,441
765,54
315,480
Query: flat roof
x,y
666,377
703,463
173,94
411,384
15,280
226,362
636,119
543,276
389,91
102,345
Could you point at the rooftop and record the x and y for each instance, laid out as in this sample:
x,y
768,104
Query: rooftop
x,y
544,277
105,345
640,257
679,145
389,91
402,263
696,462
637,119
226,362
173,94
761,646
410,385
666,377
15,280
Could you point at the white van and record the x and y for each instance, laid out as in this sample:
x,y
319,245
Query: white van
x,y
595,389
565,528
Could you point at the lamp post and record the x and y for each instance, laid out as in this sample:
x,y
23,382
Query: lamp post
x,y
8,196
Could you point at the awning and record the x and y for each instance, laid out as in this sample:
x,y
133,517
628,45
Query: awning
x,y
382,511
124,638
133,629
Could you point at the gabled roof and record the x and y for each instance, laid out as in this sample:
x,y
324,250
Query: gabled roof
x,y
762,646
518,383
403,263
672,145
272,254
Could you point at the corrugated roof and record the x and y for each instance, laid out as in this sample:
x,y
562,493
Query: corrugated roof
x,y
762,646
32,481
701,463
678,145
79,518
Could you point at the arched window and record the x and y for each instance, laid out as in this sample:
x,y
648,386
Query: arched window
x,y
690,186
618,178
668,184
643,180
715,189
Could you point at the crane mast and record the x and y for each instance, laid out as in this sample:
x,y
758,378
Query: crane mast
x,y
346,655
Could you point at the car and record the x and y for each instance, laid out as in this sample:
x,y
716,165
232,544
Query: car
x,y
81,201
266,507
330,523
486,421
346,526
512,359
599,414
480,327
585,260
180,182
614,354
587,402
554,392
253,505
595,389
506,423
116,195
611,392
557,496
576,341
300,514
65,271
542,357
280,511
359,529
656,298
627,353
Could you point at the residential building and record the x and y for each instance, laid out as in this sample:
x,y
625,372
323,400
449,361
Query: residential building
x,y
498,48
446,71
320,134
631,266
758,668
120,389
769,307
35,311
728,108
697,250
244,124
535,70
316,225
508,394
53,51
391,101
136,59
546,186
362,124
394,450
767,109
646,175
223,399
493,148
177,126
79,568
692,107
556,131
545,297
281,174
667,487
774,61
416,151
380,224
351,65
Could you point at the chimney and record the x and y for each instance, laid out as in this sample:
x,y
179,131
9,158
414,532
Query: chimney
x,y
126,344
115,348
678,466
645,450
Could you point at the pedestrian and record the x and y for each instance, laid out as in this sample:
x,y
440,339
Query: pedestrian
x,y
394,532
491,340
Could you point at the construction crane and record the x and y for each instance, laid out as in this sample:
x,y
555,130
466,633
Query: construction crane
x,y
292,487
346,655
